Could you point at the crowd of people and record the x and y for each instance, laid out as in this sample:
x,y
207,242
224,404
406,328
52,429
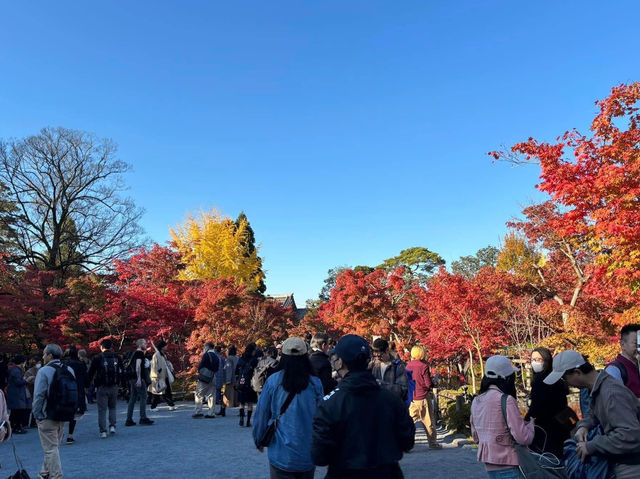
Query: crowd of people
x,y
351,405
605,443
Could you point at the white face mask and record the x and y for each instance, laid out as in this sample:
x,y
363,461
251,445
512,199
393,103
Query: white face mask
x,y
537,367
38,365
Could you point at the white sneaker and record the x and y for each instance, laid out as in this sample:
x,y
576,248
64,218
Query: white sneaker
x,y
112,429
103,435
173,408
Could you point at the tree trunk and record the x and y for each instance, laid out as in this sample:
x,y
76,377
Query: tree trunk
x,y
473,374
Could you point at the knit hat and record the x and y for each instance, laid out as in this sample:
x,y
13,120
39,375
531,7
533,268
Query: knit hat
x,y
417,352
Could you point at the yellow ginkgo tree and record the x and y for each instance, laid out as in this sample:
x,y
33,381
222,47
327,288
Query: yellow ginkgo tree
x,y
215,246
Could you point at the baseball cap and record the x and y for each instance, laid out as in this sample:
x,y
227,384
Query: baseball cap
x,y
351,346
499,367
294,347
562,363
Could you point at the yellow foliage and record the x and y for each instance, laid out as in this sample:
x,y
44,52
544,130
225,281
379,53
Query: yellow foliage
x,y
517,256
600,351
213,246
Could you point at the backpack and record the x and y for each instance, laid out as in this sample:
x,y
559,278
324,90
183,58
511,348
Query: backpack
x,y
245,374
260,375
62,401
412,388
406,397
109,371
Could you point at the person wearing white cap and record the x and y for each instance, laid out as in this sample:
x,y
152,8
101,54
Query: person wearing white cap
x,y
289,398
495,449
613,406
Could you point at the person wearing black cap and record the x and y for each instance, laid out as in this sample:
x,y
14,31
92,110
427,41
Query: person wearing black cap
x,y
106,373
360,429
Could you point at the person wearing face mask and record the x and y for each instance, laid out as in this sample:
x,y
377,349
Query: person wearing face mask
x,y
548,406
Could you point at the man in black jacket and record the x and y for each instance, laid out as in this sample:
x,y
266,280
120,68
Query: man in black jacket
x,y
360,430
106,373
206,386
320,364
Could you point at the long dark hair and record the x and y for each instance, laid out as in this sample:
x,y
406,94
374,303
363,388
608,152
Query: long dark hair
x,y
506,385
548,362
297,372
248,352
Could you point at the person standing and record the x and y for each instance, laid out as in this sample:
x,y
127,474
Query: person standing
x,y
244,373
220,375
320,364
138,371
161,377
230,392
45,410
421,408
17,396
488,427
80,372
389,372
360,429
30,376
548,403
105,373
206,386
613,406
290,451
625,367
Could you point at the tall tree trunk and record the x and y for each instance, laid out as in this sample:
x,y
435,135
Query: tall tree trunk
x,y
473,374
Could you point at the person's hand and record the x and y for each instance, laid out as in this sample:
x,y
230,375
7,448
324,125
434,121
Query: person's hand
x,y
581,434
138,383
261,449
581,450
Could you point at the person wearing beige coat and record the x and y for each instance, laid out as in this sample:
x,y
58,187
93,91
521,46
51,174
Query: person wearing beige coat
x,y
161,377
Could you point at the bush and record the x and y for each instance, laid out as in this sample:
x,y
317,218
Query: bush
x,y
459,420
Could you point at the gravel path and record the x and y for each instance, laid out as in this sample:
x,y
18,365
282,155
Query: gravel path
x,y
178,446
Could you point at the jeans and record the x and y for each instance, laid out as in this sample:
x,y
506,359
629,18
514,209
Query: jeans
x,y
51,433
137,394
107,397
511,473
275,473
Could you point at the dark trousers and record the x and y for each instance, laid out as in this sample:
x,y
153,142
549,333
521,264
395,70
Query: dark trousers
x,y
137,394
275,473
19,419
166,395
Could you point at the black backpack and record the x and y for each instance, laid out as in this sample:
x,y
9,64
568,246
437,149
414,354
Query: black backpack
x,y
245,374
110,373
62,401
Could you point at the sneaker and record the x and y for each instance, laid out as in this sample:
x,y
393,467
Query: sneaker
x,y
173,408
112,430
197,416
70,440
129,422
435,446
103,435
210,416
146,422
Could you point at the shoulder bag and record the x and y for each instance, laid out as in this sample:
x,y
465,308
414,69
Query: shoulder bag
x,y
533,465
268,435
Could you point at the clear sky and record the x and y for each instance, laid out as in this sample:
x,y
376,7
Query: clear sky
x,y
346,130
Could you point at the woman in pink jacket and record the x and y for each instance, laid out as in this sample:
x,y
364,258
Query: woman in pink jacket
x,y
495,447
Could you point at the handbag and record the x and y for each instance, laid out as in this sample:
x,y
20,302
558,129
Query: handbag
x,y
268,435
21,473
533,465
205,375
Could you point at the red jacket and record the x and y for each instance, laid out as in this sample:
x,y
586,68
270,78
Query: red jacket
x,y
420,374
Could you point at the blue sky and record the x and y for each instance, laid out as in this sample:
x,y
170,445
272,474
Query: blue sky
x,y
346,130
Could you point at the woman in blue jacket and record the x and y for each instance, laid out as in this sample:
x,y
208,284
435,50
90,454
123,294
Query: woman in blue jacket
x,y
290,451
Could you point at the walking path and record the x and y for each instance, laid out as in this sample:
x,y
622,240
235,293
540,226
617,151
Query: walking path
x,y
177,446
